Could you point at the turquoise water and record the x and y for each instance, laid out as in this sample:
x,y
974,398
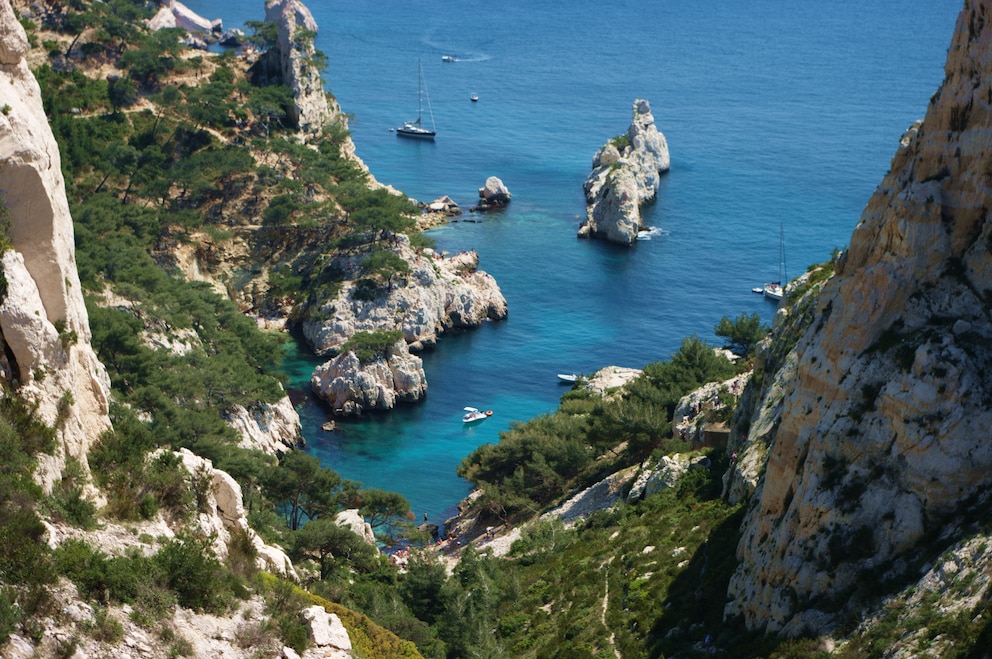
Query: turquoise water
x,y
777,114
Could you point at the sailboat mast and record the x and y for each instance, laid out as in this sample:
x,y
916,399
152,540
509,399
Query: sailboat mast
x,y
428,94
420,90
781,255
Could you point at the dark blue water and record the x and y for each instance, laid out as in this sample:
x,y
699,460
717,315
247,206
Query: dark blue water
x,y
777,114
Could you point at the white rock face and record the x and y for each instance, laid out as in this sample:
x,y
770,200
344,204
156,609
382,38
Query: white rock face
x,y
176,14
313,107
621,183
271,428
226,513
882,436
43,319
352,387
326,630
353,520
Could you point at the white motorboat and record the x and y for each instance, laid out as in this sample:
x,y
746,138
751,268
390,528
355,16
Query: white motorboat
x,y
474,415
570,378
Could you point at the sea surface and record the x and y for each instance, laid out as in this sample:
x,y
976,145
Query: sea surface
x,y
780,117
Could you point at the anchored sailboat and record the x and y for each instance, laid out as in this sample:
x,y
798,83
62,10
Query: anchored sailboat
x,y
416,129
776,289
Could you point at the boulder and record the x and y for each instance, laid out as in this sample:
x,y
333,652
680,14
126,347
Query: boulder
x,y
494,194
176,14
326,629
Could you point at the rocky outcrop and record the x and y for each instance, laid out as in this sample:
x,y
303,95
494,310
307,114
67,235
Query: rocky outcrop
x,y
176,14
438,294
327,633
290,62
883,433
626,175
352,519
352,387
610,378
494,194
272,428
665,474
223,512
43,321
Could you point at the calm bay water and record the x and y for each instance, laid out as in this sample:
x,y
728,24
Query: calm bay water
x,y
777,115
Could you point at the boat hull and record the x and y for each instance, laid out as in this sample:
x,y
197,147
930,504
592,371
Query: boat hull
x,y
422,134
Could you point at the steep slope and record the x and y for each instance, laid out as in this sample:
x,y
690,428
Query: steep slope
x,y
884,431
44,328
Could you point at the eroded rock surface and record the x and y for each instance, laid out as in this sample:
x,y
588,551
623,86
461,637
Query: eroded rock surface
x,y
625,176
43,321
882,437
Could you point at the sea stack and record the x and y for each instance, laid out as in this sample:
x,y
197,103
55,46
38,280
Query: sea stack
x,y
626,173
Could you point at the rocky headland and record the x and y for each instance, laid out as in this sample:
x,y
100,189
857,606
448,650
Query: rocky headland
x,y
626,173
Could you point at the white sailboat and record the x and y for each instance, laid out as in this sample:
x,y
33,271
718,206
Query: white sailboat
x,y
416,129
776,289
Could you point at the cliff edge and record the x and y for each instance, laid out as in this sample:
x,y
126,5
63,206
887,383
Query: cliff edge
x,y
44,327
882,443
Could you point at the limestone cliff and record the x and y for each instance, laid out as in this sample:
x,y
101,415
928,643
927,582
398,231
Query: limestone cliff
x,y
625,175
886,406
291,63
43,321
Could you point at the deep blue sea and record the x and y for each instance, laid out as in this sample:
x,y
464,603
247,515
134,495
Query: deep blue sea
x,y
777,115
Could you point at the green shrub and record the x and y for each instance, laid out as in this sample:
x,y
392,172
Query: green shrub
x,y
369,346
104,627
10,613
66,502
188,567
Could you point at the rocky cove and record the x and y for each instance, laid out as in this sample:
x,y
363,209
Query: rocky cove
x,y
857,443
